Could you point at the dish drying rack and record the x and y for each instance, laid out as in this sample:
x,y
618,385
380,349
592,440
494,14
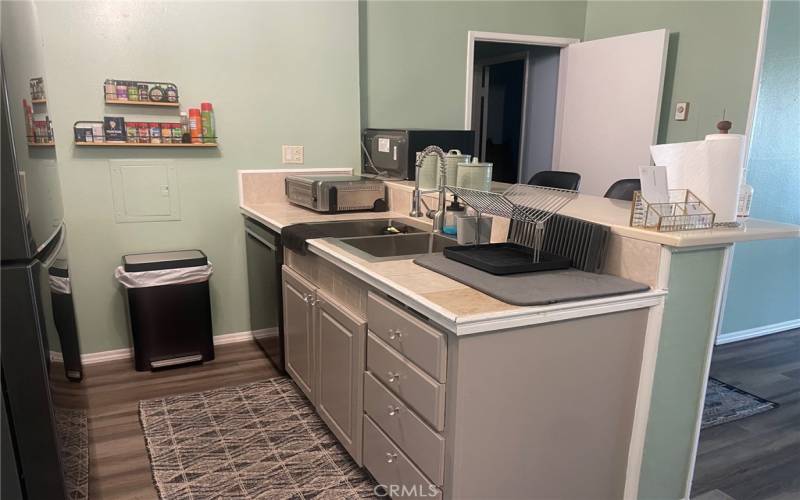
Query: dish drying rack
x,y
683,212
532,205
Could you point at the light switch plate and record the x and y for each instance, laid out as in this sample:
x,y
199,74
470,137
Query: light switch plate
x,y
292,154
681,111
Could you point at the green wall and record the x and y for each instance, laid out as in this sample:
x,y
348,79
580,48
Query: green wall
x,y
679,377
772,268
413,54
710,62
276,72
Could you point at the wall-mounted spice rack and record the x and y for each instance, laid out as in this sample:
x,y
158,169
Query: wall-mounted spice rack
x,y
38,101
140,93
115,132
41,144
115,144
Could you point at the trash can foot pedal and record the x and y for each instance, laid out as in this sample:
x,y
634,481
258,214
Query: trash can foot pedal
x,y
181,360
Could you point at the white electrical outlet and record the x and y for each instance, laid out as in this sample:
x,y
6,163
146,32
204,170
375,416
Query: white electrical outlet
x,y
681,111
292,154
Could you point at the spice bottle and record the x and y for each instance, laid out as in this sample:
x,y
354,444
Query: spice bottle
x,y
195,126
144,132
155,133
111,89
186,133
144,92
133,91
166,133
122,91
176,133
207,115
133,132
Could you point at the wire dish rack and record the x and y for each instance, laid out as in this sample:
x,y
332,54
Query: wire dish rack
x,y
532,205
683,212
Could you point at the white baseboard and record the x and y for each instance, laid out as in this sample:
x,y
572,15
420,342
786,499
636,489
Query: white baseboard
x,y
127,353
760,331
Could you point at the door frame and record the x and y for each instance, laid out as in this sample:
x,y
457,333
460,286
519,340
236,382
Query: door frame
x,y
490,36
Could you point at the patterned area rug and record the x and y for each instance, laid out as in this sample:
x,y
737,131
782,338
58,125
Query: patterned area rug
x,y
725,403
72,427
259,440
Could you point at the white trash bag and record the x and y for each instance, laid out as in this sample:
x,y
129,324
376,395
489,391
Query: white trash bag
x,y
179,276
60,284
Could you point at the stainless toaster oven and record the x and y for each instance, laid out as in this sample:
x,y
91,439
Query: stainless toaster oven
x,y
336,193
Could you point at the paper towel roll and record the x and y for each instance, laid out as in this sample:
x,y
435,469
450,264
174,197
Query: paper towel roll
x,y
711,169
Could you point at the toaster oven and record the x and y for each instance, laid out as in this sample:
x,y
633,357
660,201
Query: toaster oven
x,y
333,194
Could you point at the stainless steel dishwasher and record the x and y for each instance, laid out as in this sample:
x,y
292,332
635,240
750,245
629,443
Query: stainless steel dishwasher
x,y
264,261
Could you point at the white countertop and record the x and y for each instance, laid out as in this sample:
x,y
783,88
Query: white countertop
x,y
452,305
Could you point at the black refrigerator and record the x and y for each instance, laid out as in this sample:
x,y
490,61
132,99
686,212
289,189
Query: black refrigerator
x,y
38,321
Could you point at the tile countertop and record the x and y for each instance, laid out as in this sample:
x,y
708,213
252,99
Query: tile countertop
x,y
454,306
616,214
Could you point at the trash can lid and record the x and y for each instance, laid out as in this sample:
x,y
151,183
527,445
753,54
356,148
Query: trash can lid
x,y
163,260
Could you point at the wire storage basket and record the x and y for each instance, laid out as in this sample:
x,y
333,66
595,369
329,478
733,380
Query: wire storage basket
x,y
526,205
683,212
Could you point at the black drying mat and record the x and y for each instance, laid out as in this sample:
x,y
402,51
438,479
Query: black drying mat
x,y
532,289
505,258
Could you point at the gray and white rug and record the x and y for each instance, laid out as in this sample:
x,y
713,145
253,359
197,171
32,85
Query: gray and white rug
x,y
725,403
72,427
259,440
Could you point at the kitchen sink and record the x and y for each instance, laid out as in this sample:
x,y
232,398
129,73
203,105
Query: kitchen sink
x,y
371,227
396,246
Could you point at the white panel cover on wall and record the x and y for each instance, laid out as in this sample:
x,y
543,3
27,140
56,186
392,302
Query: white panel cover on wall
x,y
610,99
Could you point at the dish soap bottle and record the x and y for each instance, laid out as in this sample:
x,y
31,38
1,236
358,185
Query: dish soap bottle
x,y
451,215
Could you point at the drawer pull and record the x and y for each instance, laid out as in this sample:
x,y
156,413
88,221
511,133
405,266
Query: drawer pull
x,y
395,334
394,410
393,377
307,297
390,457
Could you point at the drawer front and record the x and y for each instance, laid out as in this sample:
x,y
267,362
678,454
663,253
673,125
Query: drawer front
x,y
418,441
419,342
404,379
392,469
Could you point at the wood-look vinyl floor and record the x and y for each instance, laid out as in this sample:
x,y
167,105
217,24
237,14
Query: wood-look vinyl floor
x,y
756,458
118,464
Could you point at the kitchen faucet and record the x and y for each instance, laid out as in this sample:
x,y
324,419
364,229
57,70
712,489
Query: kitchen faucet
x,y
438,215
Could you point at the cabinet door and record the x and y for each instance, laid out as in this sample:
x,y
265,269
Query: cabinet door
x,y
298,328
340,337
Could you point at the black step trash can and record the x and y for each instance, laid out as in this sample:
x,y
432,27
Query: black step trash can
x,y
169,307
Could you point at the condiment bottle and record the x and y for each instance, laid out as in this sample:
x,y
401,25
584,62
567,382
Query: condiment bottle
x,y
166,133
155,133
186,132
207,114
195,126
122,91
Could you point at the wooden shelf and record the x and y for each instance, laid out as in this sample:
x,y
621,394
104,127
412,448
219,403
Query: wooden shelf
x,y
38,101
144,103
41,144
146,145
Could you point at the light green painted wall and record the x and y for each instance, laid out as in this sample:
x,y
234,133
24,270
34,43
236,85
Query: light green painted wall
x,y
764,287
680,376
413,54
710,62
276,72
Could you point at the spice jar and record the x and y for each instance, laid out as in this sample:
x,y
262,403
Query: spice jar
x,y
111,89
132,130
176,133
144,132
166,133
144,92
133,91
172,93
155,133
156,93
122,91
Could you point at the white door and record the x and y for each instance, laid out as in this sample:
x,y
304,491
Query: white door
x,y
609,103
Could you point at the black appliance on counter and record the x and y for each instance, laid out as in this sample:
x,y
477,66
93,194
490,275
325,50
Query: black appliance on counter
x,y
37,318
264,262
394,151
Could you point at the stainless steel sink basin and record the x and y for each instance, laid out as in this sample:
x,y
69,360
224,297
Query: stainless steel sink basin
x,y
397,246
371,227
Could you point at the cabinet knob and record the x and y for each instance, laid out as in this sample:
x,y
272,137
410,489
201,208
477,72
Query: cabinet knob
x,y
390,457
395,334
306,297
393,377
394,410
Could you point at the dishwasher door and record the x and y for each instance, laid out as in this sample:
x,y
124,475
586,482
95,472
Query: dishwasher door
x,y
264,261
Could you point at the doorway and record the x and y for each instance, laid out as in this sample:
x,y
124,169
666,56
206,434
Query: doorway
x,y
514,96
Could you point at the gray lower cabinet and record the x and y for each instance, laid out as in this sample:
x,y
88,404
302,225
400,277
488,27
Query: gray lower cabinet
x,y
339,337
298,326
